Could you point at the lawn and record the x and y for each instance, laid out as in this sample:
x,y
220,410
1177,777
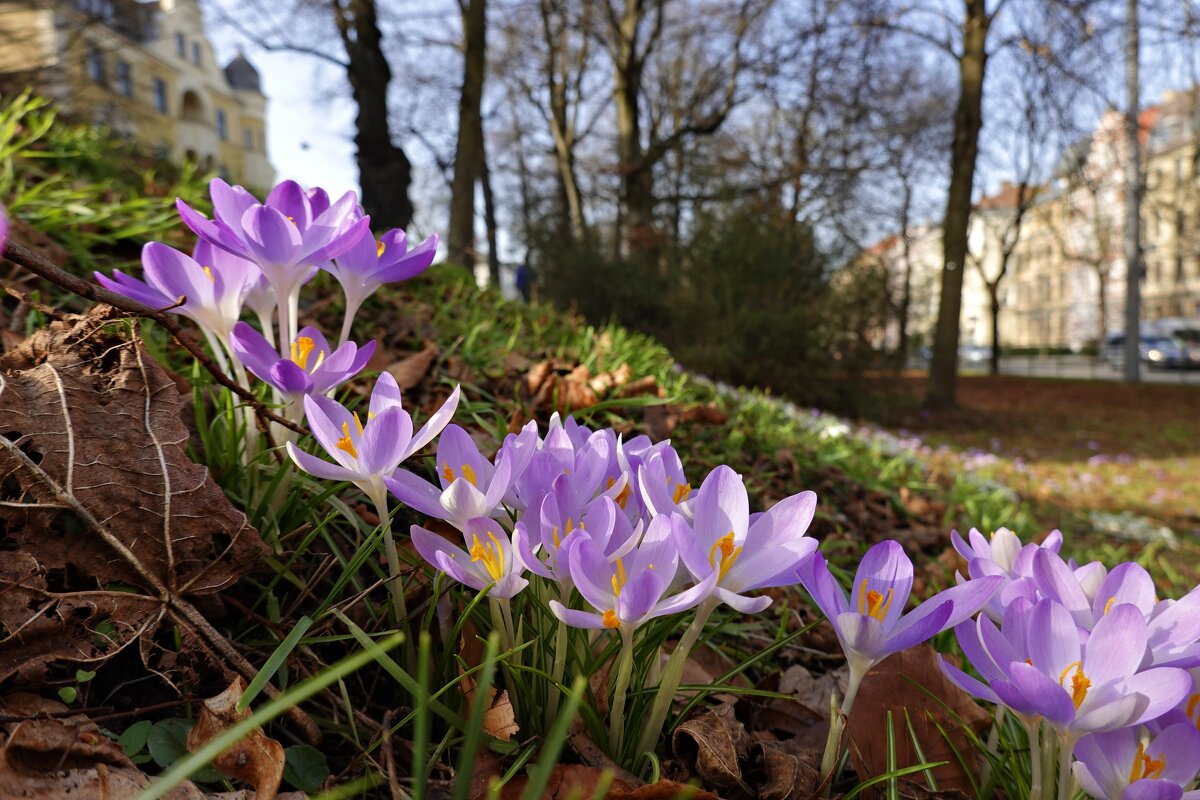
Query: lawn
x,y
1090,456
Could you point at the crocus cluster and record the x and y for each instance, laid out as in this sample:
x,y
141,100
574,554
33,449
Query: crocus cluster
x,y
610,534
252,258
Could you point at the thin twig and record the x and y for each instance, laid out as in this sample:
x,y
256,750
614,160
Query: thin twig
x,y
389,757
41,267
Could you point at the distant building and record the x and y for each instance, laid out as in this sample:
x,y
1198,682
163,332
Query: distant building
x,y
1065,279
145,69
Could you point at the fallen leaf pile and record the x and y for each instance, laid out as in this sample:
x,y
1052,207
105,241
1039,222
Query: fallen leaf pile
x,y
109,528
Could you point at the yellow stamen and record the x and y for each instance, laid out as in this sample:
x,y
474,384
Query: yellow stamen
x,y
293,221
1146,767
1079,683
1108,606
618,580
872,603
557,541
490,554
1192,702
728,552
469,474
448,473
681,492
610,619
358,422
301,348
208,272
346,443
379,247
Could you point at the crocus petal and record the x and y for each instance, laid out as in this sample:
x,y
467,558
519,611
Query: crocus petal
x,y
741,602
386,393
413,263
1164,687
829,596
1120,713
229,202
271,238
1126,583
384,441
1117,645
1057,582
1107,757
886,569
415,492
1152,789
721,507
576,618
1086,781
861,634
461,502
1028,691
291,201
433,426
591,572
523,547
287,376
1177,746
965,682
177,275
1052,638
429,544
319,467
924,621
217,232
694,558
134,289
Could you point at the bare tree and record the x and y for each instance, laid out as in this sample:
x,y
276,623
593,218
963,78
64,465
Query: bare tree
x,y
469,154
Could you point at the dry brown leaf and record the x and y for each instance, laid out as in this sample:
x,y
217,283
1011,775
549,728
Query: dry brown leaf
x,y
65,758
911,680
412,369
713,742
255,758
642,386
706,414
97,490
813,691
660,421
500,720
575,780
606,381
559,385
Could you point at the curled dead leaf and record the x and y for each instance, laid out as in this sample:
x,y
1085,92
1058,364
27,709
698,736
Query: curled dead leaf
x,y
412,369
255,758
98,491
911,682
714,742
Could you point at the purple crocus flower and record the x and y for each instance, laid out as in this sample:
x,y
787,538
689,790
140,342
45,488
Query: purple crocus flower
x,y
311,367
371,263
544,541
213,283
3,229
471,486
662,485
1080,689
488,559
745,555
585,464
1126,765
282,236
365,453
628,591
871,624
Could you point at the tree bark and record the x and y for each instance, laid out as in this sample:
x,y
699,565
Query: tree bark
x,y
994,357
489,222
968,119
384,171
556,27
1133,200
468,153
906,288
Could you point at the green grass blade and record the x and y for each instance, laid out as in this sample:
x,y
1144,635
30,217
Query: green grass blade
x,y
274,663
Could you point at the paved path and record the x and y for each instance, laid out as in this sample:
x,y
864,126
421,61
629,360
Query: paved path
x,y
1080,367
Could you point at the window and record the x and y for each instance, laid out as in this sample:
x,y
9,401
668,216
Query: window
x,y
160,95
222,127
248,138
196,53
124,79
180,46
95,63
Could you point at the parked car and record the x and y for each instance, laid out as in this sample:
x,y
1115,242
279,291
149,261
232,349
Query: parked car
x,y
974,355
1155,351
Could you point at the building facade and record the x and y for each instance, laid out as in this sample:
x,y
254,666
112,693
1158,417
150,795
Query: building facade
x,y
148,71
1064,277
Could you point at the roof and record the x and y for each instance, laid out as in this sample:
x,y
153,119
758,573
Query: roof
x,y
241,74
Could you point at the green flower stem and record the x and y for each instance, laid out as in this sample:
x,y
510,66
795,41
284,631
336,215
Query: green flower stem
x,y
1036,756
672,675
1048,756
399,611
616,727
1066,779
839,714
560,663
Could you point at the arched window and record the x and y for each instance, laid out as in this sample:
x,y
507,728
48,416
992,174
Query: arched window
x,y
192,108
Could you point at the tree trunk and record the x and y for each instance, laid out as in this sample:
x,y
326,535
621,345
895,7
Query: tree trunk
x,y
994,358
384,171
968,119
637,199
1102,275
468,153
1133,201
906,289
489,221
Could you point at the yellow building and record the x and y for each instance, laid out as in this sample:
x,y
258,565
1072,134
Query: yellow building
x,y
145,69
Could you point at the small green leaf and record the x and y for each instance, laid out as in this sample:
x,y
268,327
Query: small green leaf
x,y
305,768
133,738
68,694
167,744
84,675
